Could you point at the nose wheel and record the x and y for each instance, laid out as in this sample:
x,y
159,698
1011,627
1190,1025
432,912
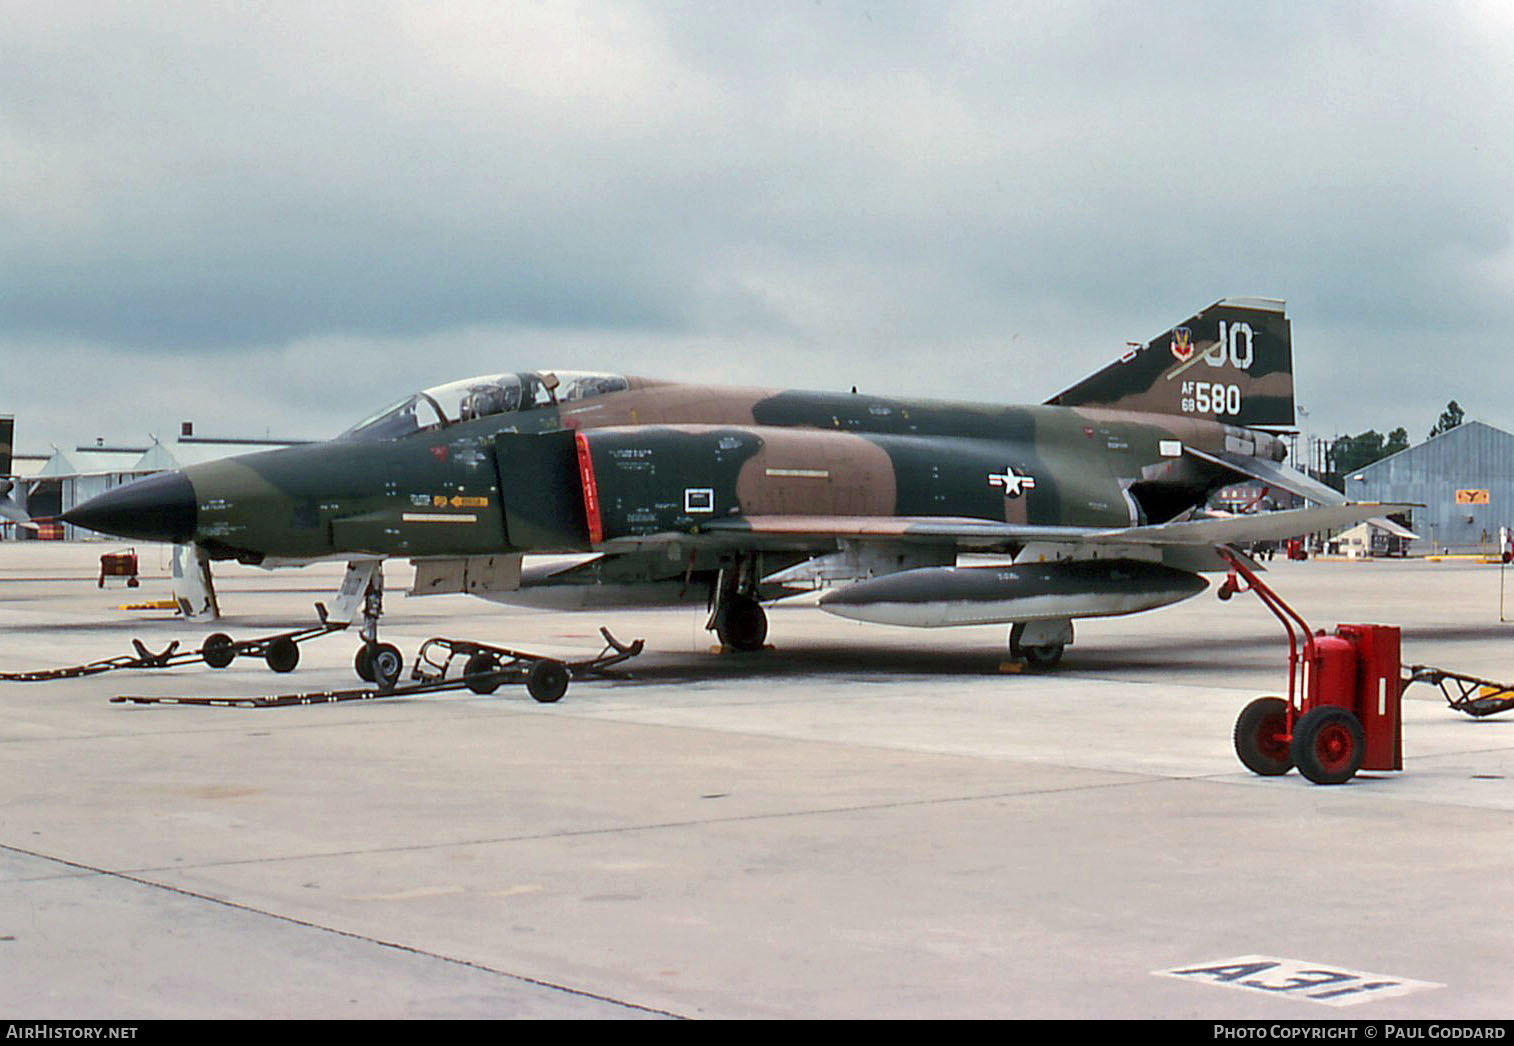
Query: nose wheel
x,y
380,664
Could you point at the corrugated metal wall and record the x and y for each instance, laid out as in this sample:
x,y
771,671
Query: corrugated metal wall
x,y
1472,456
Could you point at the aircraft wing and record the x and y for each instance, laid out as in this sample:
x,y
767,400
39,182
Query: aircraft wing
x,y
967,534
1258,526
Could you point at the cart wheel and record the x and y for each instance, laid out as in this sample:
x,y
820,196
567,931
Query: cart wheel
x,y
217,650
1261,737
282,654
1328,744
479,671
387,663
547,681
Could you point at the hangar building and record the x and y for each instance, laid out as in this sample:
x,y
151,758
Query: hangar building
x,y
1461,482
68,478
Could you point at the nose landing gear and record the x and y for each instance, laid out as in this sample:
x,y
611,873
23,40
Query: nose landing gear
x,y
363,584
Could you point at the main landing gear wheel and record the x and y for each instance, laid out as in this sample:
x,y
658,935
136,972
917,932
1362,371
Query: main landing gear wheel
x,y
380,664
476,673
1328,745
1042,658
1039,657
1261,737
282,654
547,681
742,625
217,650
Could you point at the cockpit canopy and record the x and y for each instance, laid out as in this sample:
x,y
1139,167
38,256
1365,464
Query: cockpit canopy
x,y
482,397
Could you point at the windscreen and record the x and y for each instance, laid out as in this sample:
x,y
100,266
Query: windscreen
x,y
482,397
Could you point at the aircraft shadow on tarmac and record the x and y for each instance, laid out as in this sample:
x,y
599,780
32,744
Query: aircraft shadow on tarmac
x,y
1157,657
1162,659
863,663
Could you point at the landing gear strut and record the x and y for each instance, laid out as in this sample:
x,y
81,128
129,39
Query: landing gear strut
x,y
375,662
738,619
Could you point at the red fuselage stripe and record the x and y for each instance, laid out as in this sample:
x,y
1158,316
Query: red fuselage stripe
x,y
591,489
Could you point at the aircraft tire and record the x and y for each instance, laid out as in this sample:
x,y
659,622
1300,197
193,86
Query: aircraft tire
x,y
1042,658
1328,745
547,681
282,654
478,673
743,625
362,664
217,650
1260,737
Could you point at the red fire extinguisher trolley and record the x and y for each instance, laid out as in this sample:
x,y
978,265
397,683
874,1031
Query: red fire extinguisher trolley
x,y
1342,710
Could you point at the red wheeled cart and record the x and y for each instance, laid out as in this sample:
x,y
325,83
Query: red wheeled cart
x,y
1342,710
119,564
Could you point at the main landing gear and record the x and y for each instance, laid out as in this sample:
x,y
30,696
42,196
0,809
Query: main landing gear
x,y
737,618
1039,644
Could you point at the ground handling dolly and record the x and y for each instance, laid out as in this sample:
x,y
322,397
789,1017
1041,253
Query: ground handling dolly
x,y
281,651
1344,696
545,679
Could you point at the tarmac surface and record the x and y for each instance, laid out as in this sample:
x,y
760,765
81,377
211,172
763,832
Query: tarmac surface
x,y
861,822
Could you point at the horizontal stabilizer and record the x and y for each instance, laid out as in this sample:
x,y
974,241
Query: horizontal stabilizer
x,y
1275,475
1398,531
16,514
10,509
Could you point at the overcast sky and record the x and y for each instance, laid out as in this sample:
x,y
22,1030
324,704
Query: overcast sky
x,y
278,217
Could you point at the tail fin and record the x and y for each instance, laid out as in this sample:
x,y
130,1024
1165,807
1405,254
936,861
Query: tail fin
x,y
9,508
1233,362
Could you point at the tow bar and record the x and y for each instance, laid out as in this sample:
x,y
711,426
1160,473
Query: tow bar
x,y
281,651
487,667
1476,697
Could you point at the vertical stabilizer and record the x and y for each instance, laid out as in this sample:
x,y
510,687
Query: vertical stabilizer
x,y
12,503
1233,363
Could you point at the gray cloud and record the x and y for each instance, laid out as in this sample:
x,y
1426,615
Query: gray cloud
x,y
328,206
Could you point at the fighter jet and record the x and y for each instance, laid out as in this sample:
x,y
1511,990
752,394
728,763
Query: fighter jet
x,y
668,491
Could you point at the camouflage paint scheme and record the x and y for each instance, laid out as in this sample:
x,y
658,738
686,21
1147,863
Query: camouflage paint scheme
x,y
687,483
449,492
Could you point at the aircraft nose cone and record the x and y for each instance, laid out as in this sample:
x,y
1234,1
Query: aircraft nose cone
x,y
157,508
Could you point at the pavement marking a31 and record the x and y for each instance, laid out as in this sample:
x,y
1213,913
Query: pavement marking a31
x,y
1296,978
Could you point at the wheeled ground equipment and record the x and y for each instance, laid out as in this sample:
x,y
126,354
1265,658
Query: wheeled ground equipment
x,y
1342,712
